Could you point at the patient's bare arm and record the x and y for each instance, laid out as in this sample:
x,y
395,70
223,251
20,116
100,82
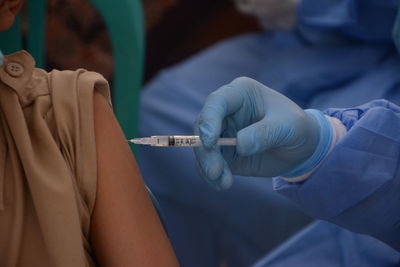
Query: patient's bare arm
x,y
125,229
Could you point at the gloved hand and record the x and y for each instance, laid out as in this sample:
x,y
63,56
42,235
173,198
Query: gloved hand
x,y
275,137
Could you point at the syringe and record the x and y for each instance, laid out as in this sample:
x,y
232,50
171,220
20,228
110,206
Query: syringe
x,y
178,140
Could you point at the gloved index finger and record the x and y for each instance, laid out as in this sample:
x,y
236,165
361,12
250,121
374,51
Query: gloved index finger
x,y
223,102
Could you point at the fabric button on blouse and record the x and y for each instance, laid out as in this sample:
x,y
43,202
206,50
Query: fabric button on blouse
x,y
14,69
48,170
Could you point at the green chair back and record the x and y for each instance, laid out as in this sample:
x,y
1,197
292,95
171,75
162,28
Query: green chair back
x,y
125,24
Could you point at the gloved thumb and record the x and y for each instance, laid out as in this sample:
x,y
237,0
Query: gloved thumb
x,y
258,137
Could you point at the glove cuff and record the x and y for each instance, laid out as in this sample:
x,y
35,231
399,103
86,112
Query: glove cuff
x,y
325,139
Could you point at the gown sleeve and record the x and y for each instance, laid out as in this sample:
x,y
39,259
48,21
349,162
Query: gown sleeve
x,y
357,185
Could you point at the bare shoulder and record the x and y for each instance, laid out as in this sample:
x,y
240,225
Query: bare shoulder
x,y
125,229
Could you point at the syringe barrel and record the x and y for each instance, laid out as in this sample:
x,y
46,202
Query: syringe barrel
x,y
186,140
176,140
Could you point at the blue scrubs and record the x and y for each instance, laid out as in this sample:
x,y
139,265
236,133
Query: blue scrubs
x,y
340,56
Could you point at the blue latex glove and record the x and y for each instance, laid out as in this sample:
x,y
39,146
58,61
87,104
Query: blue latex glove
x,y
275,137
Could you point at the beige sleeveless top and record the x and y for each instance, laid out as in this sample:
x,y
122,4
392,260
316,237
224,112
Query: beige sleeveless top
x,y
47,164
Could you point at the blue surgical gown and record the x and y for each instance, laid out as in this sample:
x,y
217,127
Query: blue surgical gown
x,y
341,55
324,244
357,186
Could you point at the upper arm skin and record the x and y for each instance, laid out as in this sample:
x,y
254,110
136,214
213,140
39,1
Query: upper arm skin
x,y
125,229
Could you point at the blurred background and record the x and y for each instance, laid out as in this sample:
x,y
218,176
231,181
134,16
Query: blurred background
x,y
175,29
